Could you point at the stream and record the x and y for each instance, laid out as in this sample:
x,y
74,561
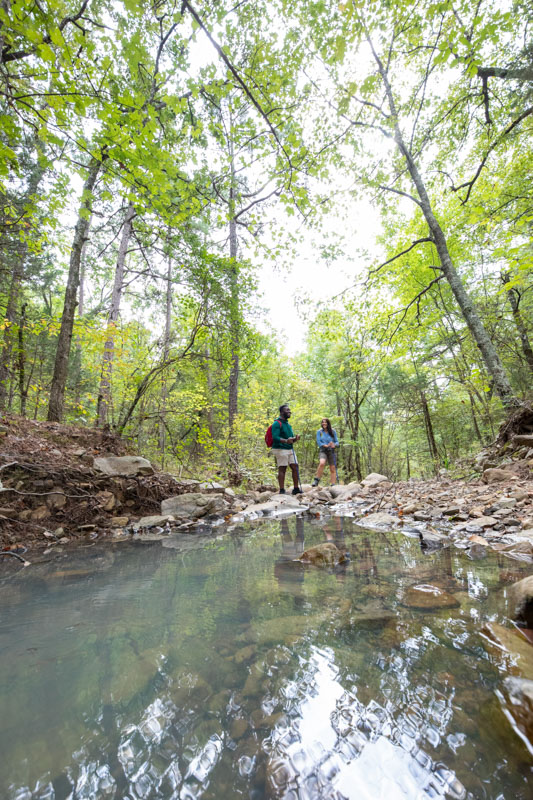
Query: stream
x,y
216,666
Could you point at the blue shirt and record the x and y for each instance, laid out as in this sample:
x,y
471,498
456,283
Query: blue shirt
x,y
323,438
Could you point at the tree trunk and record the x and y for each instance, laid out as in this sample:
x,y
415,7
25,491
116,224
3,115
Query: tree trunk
x,y
166,350
23,389
488,352
81,311
429,431
104,392
514,300
474,418
233,390
17,278
59,379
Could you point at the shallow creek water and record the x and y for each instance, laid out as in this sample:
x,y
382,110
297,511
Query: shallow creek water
x,y
218,667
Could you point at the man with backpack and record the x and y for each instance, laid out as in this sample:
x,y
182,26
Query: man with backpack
x,y
283,439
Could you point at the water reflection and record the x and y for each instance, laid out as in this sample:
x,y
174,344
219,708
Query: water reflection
x,y
226,668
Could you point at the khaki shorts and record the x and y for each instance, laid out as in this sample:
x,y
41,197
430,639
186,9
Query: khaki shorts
x,y
327,454
284,457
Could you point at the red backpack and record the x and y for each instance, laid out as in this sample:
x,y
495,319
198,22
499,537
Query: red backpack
x,y
268,435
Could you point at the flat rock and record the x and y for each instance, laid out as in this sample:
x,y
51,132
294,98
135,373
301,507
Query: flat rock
x,y
512,646
373,479
482,522
193,505
422,516
123,465
523,439
433,540
379,518
210,486
475,539
323,555
154,521
428,597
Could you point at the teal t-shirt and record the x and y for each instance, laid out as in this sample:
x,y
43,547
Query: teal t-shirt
x,y
283,432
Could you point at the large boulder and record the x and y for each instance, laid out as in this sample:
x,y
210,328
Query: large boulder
x,y
193,505
520,598
496,475
123,465
433,540
510,648
373,479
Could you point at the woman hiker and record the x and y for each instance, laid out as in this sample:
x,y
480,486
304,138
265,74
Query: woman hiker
x,y
326,439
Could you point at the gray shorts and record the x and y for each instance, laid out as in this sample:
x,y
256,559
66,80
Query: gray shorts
x,y
284,457
327,454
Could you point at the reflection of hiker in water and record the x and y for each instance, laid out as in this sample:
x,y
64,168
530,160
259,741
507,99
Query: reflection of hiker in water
x,y
288,571
326,439
364,560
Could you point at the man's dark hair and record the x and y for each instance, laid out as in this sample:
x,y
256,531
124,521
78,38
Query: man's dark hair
x,y
284,405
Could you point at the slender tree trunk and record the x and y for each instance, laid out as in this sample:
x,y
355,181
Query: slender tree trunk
x,y
233,391
104,392
429,431
514,300
59,379
209,382
166,350
474,418
23,392
17,278
488,352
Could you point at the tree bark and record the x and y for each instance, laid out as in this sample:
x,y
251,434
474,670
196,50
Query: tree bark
x,y
59,379
488,352
17,278
514,301
104,392
233,390
429,431
166,350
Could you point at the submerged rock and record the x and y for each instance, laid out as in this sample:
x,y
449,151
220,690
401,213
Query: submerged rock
x,y
323,555
511,646
426,596
520,704
520,598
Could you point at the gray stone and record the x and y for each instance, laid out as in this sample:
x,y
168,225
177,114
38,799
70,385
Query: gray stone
x,y
210,486
422,516
432,540
523,439
379,518
482,522
373,479
193,505
123,465
506,502
154,520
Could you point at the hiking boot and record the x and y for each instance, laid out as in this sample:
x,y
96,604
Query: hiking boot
x,y
296,491
282,491
316,481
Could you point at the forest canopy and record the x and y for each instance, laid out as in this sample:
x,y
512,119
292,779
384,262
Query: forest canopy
x,y
158,159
